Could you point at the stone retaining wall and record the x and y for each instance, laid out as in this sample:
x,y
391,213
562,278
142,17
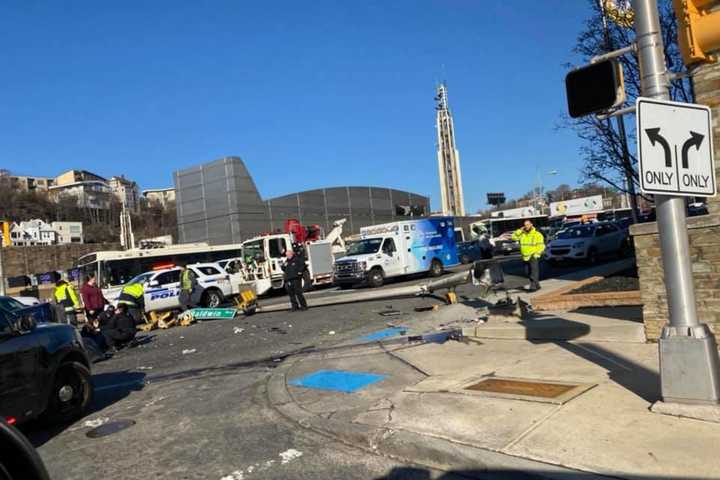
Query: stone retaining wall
x,y
19,261
704,233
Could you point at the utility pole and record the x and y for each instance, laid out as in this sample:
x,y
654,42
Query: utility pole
x,y
689,365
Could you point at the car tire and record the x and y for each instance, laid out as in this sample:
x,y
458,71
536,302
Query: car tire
x,y
376,278
436,268
71,393
212,299
464,259
20,460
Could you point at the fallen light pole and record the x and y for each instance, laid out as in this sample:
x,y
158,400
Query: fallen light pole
x,y
483,274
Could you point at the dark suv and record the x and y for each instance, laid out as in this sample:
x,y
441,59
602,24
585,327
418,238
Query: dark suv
x,y
44,370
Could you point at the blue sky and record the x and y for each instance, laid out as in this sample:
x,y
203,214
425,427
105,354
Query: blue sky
x,y
309,94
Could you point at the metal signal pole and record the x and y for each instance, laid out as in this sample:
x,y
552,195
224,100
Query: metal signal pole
x,y
689,366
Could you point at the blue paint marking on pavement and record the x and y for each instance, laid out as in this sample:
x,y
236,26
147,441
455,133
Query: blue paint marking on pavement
x,y
388,332
337,380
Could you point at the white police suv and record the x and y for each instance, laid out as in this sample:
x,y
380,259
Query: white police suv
x,y
162,287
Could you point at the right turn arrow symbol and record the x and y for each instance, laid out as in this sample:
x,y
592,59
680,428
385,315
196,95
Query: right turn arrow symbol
x,y
654,136
695,140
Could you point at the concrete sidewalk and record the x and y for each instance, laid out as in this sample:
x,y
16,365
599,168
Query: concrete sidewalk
x,y
423,412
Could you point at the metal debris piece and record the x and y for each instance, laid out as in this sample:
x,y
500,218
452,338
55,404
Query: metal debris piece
x,y
110,428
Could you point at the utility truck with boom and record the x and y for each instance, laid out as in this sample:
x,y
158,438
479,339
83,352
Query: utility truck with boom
x,y
263,256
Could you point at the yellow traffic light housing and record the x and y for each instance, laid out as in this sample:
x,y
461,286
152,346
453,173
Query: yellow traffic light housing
x,y
698,29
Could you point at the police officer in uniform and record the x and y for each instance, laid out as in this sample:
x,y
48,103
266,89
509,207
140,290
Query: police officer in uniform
x,y
294,269
188,285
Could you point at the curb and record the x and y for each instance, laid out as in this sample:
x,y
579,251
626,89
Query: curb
x,y
410,447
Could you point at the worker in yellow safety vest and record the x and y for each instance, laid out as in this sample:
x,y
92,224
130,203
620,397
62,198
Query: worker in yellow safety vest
x,y
133,297
67,301
532,246
188,285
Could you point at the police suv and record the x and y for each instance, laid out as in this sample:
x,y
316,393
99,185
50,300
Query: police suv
x,y
162,287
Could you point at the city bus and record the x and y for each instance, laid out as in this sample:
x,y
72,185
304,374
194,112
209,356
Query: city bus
x,y
115,268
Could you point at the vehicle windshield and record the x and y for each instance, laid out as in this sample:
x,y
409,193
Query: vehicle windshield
x,y
576,232
364,247
141,278
10,304
253,249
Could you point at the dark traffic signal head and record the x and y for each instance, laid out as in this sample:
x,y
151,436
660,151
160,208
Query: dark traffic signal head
x,y
595,88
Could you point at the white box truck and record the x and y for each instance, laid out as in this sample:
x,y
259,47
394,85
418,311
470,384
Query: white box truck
x,y
398,248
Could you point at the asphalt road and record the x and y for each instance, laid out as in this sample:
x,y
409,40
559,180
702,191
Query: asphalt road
x,y
197,397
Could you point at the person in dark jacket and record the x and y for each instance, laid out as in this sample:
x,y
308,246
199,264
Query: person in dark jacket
x,y
294,269
120,329
93,299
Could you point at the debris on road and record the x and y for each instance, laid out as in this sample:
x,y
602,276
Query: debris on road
x,y
189,350
143,368
285,457
289,455
331,332
390,313
238,330
427,309
277,330
96,422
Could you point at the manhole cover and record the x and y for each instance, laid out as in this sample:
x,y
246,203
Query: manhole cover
x,y
530,389
110,428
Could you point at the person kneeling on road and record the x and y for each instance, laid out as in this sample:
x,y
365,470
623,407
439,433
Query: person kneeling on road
x,y
294,269
133,297
119,329
532,246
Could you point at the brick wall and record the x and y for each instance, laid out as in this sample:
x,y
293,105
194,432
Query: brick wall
x,y
706,80
703,232
33,260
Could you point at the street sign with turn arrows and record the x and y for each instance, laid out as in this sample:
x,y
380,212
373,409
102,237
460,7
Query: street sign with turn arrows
x,y
675,148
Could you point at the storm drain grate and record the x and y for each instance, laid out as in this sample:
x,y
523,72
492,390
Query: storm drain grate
x,y
552,392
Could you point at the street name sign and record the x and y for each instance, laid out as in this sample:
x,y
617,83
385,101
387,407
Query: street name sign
x,y
675,148
209,313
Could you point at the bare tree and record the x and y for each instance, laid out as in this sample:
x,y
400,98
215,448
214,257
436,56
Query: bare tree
x,y
602,146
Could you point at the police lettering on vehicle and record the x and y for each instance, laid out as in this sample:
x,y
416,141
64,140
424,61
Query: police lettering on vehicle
x,y
164,293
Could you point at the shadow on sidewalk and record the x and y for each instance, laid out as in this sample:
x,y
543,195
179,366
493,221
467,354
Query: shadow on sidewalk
x,y
624,371
415,473
627,373
630,313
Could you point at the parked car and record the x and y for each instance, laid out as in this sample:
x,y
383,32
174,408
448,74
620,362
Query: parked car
x,y
162,287
43,312
27,300
44,370
506,247
473,250
588,242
